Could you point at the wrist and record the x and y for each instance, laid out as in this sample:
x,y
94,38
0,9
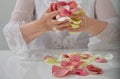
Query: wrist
x,y
95,27
31,30
38,26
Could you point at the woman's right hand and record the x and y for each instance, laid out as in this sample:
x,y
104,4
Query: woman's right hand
x,y
36,28
48,21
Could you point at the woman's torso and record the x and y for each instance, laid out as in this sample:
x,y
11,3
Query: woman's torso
x,y
62,39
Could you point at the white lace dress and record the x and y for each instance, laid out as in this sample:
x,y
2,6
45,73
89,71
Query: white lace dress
x,y
29,10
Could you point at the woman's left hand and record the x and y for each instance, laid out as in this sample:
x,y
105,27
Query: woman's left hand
x,y
90,25
81,27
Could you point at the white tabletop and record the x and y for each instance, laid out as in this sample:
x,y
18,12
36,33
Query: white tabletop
x,y
13,67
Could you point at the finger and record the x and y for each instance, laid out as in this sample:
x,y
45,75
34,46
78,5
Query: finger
x,y
67,24
64,22
68,28
48,10
55,22
62,26
53,14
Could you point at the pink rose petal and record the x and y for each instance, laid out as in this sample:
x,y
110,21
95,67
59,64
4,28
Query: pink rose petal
x,y
59,72
53,7
60,3
64,12
72,69
75,64
66,56
72,4
54,68
82,72
101,60
75,57
65,63
95,70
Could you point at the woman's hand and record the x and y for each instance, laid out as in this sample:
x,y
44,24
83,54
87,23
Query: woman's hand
x,y
48,21
90,25
82,17
36,28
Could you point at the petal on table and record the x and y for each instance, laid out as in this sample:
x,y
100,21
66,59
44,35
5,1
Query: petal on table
x,y
101,60
59,72
109,57
51,61
82,72
94,70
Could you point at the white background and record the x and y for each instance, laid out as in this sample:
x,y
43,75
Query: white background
x,y
6,7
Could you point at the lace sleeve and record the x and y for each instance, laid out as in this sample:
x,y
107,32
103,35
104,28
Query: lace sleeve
x,y
109,38
23,12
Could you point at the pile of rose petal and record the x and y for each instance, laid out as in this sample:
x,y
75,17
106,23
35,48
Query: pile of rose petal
x,y
76,64
66,9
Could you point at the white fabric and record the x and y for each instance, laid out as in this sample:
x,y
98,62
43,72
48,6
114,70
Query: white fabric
x,y
109,39
24,11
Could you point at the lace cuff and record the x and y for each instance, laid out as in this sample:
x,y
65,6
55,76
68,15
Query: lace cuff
x,y
15,39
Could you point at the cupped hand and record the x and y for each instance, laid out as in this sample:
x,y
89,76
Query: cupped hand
x,y
48,21
82,26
